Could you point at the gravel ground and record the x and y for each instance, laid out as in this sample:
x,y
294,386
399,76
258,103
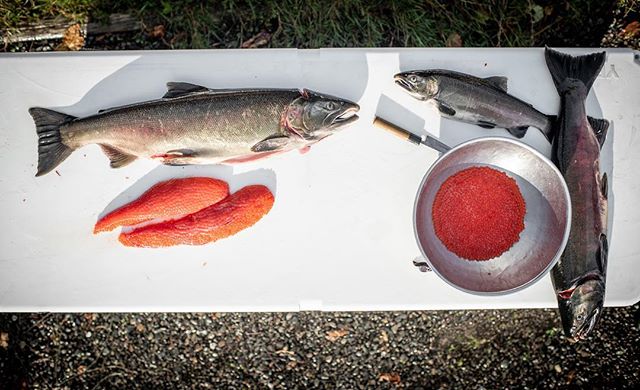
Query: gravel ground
x,y
446,349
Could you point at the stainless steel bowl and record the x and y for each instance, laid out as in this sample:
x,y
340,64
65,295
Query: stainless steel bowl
x,y
546,225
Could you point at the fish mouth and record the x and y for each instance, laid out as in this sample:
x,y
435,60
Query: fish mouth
x,y
583,331
400,80
348,116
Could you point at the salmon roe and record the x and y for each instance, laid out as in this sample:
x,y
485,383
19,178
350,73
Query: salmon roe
x,y
478,213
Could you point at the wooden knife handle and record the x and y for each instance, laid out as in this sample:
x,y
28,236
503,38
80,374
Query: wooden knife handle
x,y
393,129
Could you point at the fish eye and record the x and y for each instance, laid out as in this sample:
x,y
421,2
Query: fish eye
x,y
579,317
330,106
413,78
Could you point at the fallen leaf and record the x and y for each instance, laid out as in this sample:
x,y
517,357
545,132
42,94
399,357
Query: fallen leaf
x,y
384,338
390,377
72,39
570,377
631,30
89,317
140,327
158,31
454,40
81,370
4,340
285,352
258,40
334,335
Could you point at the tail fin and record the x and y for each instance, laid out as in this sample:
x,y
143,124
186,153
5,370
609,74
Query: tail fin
x,y
584,68
51,150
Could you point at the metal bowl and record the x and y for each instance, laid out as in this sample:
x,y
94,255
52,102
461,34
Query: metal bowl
x,y
546,224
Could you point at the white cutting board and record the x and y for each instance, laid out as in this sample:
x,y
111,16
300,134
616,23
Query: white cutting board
x,y
340,234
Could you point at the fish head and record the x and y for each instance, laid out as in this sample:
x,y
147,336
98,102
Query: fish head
x,y
314,116
420,84
584,308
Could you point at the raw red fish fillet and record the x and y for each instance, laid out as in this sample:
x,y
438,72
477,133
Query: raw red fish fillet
x,y
235,213
169,199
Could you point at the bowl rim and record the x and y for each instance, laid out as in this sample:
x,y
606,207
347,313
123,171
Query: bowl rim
x,y
560,249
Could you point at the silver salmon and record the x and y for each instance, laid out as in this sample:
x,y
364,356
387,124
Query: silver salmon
x,y
580,275
192,124
480,101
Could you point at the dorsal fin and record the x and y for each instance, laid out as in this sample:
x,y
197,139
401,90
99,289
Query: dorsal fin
x,y
177,89
600,127
118,158
499,82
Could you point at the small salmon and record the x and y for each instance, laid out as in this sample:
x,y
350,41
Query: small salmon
x,y
481,101
226,218
169,199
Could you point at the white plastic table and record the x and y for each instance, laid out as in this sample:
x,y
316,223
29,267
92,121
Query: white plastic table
x,y
339,236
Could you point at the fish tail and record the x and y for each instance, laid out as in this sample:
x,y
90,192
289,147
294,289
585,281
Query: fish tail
x,y
564,66
51,150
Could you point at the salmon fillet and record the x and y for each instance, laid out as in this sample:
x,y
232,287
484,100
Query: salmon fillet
x,y
169,199
235,213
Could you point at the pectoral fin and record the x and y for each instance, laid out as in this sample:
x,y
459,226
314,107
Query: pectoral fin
x,y
519,131
600,128
117,157
445,108
271,144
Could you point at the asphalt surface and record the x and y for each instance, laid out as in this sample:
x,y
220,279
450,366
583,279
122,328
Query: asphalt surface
x,y
435,349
